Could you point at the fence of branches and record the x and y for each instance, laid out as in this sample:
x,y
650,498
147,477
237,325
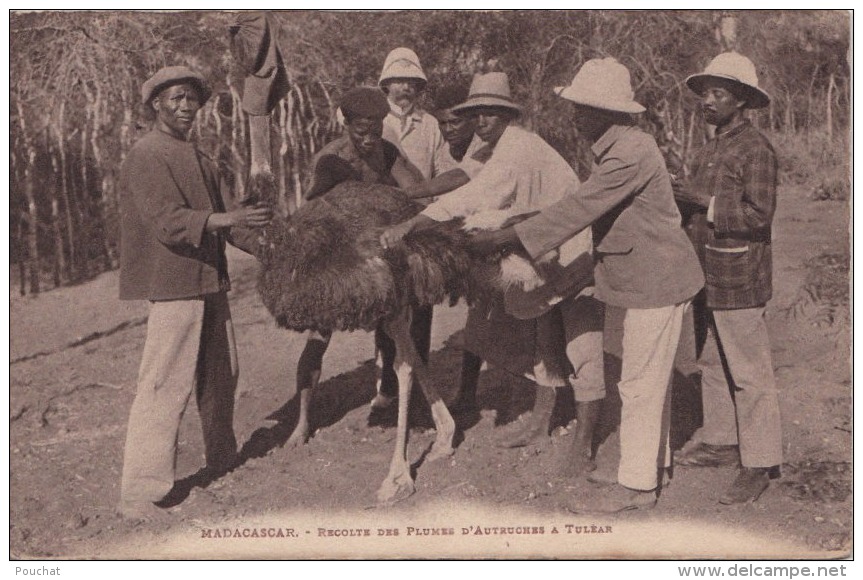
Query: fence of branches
x,y
75,107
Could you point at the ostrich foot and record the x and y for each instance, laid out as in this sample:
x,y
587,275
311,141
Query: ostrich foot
x,y
445,426
300,436
397,486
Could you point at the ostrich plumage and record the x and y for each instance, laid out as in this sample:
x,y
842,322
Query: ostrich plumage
x,y
324,268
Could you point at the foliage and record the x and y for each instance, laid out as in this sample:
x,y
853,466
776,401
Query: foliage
x,y
75,111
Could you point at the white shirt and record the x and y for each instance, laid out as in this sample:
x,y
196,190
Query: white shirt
x,y
418,136
523,174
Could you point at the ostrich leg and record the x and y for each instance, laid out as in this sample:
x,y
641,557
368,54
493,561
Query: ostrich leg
x,y
400,330
399,483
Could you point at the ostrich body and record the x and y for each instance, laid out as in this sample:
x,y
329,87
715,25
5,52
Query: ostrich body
x,y
325,270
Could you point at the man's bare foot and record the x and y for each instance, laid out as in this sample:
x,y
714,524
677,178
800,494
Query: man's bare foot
x,y
142,511
532,432
575,464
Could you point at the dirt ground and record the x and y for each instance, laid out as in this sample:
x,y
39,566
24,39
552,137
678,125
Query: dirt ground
x,y
74,356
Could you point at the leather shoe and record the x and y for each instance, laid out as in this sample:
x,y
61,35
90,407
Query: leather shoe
x,y
748,486
707,455
615,499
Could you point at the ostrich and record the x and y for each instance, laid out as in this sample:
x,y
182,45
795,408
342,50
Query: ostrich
x,y
323,269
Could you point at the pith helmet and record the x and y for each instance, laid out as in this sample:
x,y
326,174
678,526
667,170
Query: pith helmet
x,y
602,83
402,63
735,67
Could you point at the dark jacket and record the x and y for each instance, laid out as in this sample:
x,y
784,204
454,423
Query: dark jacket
x,y
167,192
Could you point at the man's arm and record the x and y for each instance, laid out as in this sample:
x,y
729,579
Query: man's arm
x,y
443,183
492,188
405,173
613,181
754,210
329,170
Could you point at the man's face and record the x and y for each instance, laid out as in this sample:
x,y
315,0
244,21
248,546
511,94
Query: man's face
x,y
403,92
365,134
590,122
456,129
176,107
491,122
718,104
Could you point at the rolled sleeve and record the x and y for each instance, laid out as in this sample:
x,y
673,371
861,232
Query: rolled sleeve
x,y
493,188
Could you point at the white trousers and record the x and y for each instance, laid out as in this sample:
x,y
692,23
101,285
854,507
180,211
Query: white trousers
x,y
650,339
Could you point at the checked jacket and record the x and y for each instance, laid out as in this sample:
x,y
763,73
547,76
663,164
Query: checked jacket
x,y
738,170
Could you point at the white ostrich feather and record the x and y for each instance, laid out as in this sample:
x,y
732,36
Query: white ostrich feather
x,y
518,271
487,220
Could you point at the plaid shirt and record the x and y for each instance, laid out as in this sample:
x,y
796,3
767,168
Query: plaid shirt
x,y
738,169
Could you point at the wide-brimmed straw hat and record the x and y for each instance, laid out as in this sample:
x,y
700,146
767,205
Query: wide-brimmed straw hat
x,y
402,63
489,90
735,67
172,75
602,83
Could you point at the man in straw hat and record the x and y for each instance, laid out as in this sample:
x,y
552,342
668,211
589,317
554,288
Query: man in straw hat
x,y
734,182
644,264
173,231
458,127
525,174
361,154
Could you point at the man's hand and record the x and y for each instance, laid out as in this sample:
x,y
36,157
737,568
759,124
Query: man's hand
x,y
256,216
394,234
486,243
685,194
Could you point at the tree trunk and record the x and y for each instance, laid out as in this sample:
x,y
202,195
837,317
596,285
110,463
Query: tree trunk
x,y
60,266
829,115
809,101
726,32
283,150
68,268
295,150
236,156
107,208
32,208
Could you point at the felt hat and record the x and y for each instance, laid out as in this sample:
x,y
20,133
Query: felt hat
x,y
402,63
367,102
735,67
173,75
602,83
489,90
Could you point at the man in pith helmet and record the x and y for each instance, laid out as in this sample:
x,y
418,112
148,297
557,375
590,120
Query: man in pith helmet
x,y
734,183
644,264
